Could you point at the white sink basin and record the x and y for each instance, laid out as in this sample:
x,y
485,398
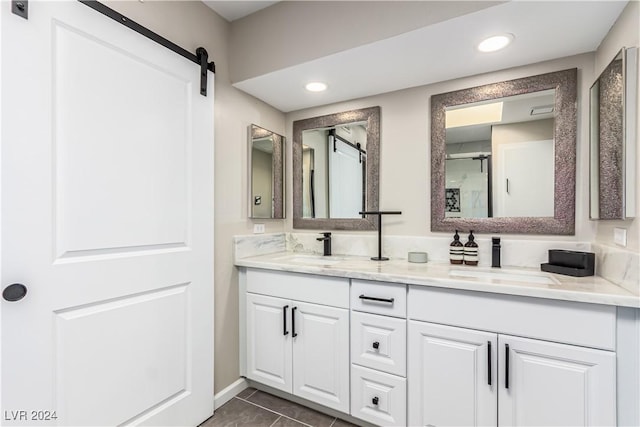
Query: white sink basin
x,y
507,275
311,259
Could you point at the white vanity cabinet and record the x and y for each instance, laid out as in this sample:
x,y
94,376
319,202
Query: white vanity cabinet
x,y
379,352
297,335
482,371
421,355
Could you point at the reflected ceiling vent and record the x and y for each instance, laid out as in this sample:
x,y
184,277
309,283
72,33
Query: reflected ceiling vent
x,y
543,109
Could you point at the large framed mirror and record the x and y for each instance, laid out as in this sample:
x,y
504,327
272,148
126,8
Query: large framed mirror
x,y
503,156
335,170
266,174
613,136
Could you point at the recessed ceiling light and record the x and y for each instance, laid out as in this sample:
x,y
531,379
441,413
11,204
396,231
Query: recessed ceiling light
x,y
316,86
494,43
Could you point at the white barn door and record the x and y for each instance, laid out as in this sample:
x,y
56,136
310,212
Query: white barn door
x,y
107,220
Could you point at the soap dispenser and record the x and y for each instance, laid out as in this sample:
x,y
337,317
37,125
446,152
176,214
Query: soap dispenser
x,y
456,250
471,251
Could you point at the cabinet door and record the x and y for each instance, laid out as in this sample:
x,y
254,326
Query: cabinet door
x,y
549,384
451,376
321,354
269,341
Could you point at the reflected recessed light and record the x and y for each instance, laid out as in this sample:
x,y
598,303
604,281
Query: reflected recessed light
x,y
494,43
316,87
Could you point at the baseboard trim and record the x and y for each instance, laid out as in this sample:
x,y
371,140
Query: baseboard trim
x,y
229,392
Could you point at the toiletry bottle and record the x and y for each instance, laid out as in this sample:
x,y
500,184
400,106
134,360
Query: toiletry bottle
x,y
456,250
471,251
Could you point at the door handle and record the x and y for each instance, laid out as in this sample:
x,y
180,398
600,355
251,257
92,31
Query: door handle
x,y
293,322
489,362
284,320
506,366
507,185
14,292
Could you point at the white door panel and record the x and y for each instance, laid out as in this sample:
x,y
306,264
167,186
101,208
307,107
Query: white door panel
x,y
130,324
107,218
269,333
555,384
450,382
321,355
107,209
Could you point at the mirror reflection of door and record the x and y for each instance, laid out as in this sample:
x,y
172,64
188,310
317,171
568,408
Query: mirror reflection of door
x,y
527,186
500,157
334,171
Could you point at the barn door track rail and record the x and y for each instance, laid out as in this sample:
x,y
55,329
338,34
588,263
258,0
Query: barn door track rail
x,y
201,57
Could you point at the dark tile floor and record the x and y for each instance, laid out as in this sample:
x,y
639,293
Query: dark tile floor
x,y
252,407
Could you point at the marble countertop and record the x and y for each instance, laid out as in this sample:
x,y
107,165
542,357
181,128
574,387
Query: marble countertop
x,y
511,281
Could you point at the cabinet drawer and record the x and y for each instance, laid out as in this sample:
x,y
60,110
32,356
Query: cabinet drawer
x,y
377,397
379,342
332,291
389,299
589,325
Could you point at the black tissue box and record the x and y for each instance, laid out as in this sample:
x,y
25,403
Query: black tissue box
x,y
570,263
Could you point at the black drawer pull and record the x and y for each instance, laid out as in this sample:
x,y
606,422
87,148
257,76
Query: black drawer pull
x,y
376,345
284,320
375,400
389,300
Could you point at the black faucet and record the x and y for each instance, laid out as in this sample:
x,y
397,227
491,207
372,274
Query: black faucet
x,y
327,243
495,252
380,213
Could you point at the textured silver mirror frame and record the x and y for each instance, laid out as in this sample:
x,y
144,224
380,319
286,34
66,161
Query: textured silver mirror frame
x,y
565,128
372,116
256,131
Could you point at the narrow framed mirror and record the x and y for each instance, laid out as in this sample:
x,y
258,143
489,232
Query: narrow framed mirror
x,y
266,173
613,135
503,156
335,170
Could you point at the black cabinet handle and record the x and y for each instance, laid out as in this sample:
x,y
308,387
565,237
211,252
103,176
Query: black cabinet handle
x,y
284,320
489,362
376,345
389,300
375,400
293,322
506,366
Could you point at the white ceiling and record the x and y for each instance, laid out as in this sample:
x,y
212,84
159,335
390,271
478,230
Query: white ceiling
x,y
443,51
232,10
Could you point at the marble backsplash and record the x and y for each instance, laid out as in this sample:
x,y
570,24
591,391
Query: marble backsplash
x,y
515,253
617,265
258,244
